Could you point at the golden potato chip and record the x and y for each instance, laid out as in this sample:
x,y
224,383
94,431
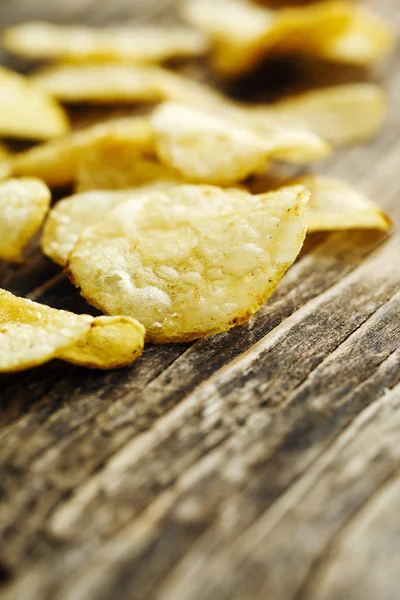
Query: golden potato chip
x,y
57,162
112,83
23,206
207,148
334,204
114,163
104,83
243,33
191,261
125,85
110,343
27,111
32,334
365,40
71,216
142,44
333,30
343,114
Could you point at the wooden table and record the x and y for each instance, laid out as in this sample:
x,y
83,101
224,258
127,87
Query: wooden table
x,y
259,464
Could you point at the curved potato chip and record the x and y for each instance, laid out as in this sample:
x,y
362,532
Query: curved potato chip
x,y
190,262
207,148
102,83
114,163
124,84
204,147
333,30
333,113
114,83
334,204
110,343
57,162
32,334
243,33
365,40
23,207
26,111
142,44
71,216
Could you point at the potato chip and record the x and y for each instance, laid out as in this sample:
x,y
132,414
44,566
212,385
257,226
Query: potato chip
x,y
32,334
333,30
57,162
110,343
243,33
204,147
114,164
104,83
333,113
23,206
365,40
208,148
334,204
127,84
142,44
192,261
113,83
27,111
71,216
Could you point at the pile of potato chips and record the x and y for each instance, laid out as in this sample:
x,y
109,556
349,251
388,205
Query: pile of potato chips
x,y
165,233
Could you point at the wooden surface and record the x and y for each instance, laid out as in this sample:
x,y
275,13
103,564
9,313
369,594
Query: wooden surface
x,y
259,464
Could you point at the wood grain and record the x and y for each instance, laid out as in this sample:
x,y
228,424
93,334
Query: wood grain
x,y
260,463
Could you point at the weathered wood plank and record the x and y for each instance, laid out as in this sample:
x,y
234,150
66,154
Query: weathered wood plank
x,y
318,507
249,465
